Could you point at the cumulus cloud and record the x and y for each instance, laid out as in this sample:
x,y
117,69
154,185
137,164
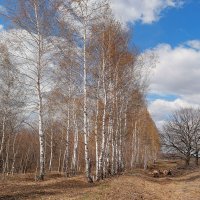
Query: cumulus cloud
x,y
177,73
194,44
161,109
142,10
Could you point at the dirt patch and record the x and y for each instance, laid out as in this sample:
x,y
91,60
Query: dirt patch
x,y
135,185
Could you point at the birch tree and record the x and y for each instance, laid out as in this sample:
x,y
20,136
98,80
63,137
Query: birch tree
x,y
12,101
34,20
85,89
84,13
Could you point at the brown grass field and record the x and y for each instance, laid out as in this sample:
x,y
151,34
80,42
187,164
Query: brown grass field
x,y
135,185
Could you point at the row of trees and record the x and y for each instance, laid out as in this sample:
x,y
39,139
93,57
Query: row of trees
x,y
181,134
69,76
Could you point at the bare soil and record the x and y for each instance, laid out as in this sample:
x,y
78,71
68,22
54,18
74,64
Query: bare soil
x,y
135,185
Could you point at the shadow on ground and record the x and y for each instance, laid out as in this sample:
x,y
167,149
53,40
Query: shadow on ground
x,y
36,190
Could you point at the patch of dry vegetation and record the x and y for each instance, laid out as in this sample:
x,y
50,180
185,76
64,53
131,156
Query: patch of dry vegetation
x,y
136,185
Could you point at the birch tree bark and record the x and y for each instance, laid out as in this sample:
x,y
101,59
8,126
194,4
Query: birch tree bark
x,y
51,147
103,133
76,139
66,164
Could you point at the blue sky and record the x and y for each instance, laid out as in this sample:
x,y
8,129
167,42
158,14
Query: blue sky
x,y
174,27
169,30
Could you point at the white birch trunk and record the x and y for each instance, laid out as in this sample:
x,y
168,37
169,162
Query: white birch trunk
x,y
3,135
145,157
7,155
40,117
85,120
116,153
138,150
113,153
51,150
60,154
103,133
120,140
120,152
41,136
15,152
66,164
134,145
96,134
107,166
75,150
117,138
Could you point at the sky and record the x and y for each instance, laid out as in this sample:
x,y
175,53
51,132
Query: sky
x,y
170,30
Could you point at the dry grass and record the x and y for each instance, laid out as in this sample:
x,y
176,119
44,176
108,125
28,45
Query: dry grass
x,y
135,185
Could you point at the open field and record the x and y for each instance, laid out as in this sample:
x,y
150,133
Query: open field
x,y
136,185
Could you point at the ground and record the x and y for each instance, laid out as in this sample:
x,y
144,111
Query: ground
x,y
135,185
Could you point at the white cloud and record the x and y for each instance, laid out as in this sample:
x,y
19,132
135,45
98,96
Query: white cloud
x,y
178,74
177,71
142,10
1,27
194,44
161,109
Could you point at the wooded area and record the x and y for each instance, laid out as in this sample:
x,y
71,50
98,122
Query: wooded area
x,y
72,92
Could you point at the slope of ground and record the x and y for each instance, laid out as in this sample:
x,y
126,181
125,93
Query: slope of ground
x,y
134,186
